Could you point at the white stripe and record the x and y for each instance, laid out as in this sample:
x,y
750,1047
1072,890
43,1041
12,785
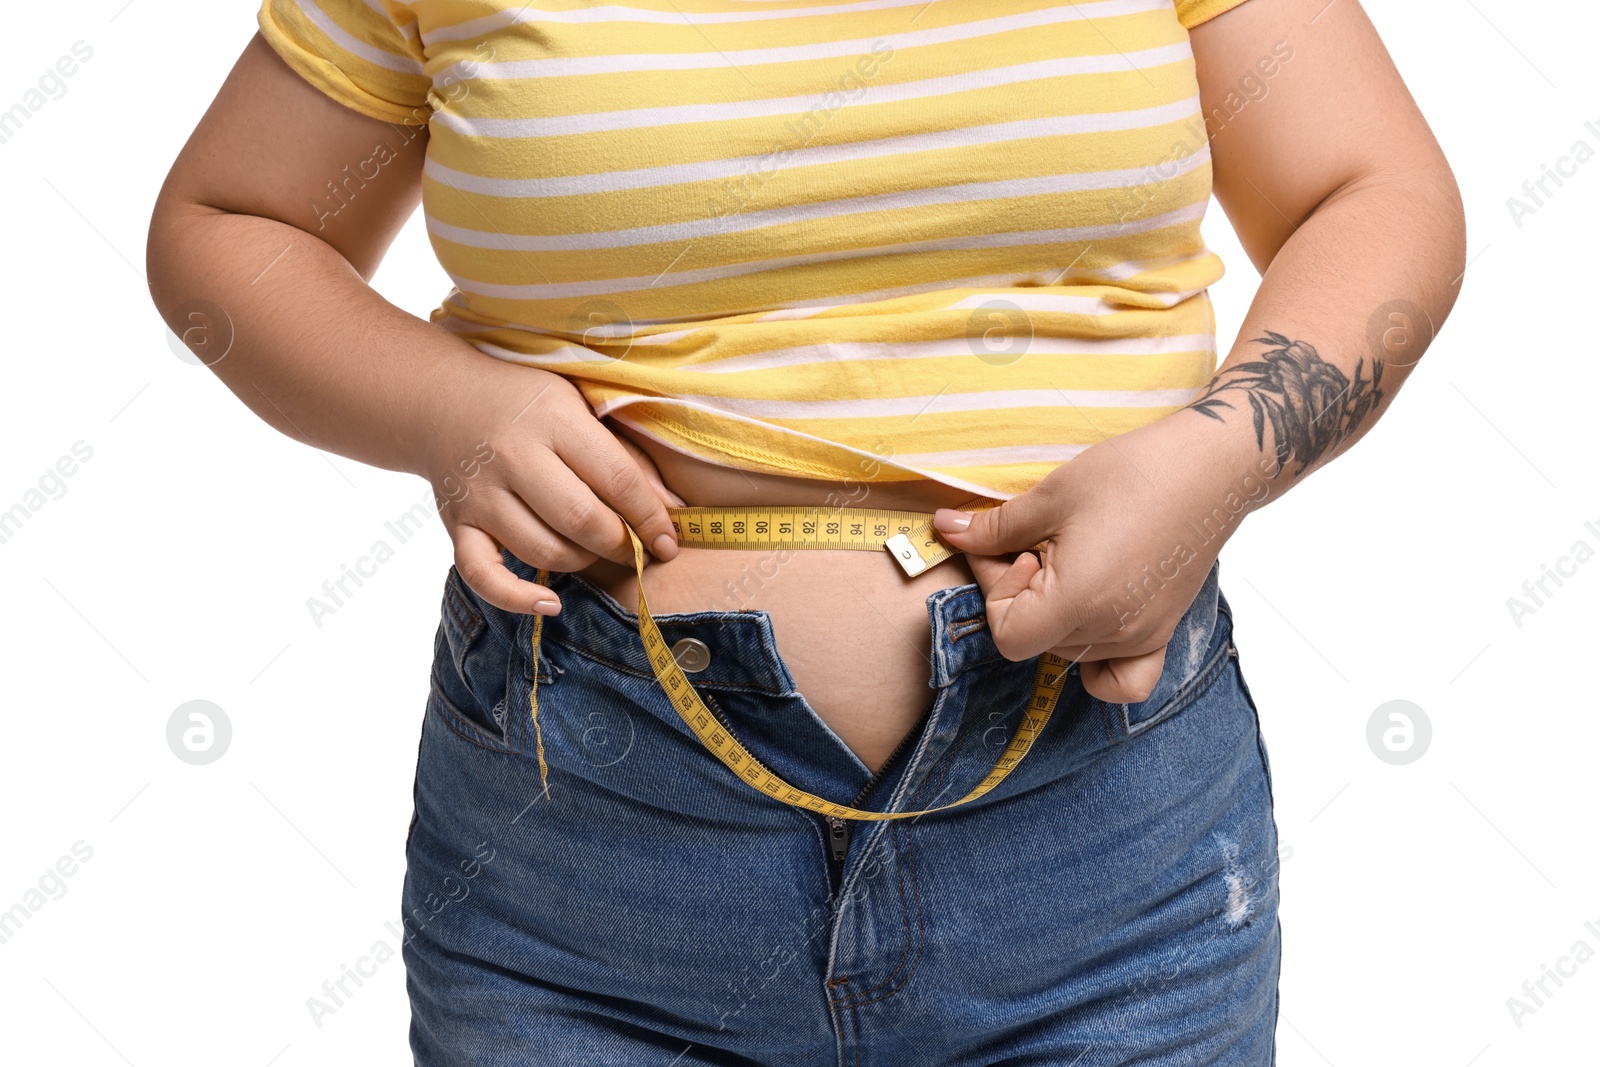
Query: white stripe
x,y
1032,299
1021,289
375,56
734,110
612,286
788,314
714,60
409,29
1017,288
859,351
955,347
1029,300
1078,305
1132,268
625,331
994,457
501,20
566,354
996,401
764,163
821,211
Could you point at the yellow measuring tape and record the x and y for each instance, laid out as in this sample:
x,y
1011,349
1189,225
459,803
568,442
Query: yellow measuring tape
x,y
907,535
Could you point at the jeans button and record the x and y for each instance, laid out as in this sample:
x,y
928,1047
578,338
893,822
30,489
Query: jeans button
x,y
692,655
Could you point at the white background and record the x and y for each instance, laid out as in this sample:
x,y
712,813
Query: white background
x,y
1416,899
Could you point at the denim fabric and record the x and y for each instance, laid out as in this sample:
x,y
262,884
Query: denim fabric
x,y
1113,901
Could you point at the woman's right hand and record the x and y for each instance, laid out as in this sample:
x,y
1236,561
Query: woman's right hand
x,y
518,460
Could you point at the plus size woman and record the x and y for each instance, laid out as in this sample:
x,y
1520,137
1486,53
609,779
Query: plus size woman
x,y
813,257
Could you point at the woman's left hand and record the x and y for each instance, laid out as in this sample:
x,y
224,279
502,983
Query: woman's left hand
x,y
1130,528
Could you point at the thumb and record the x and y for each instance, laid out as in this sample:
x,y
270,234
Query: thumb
x,y
1014,526
1125,680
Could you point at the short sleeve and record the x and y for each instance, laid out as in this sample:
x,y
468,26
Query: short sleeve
x,y
1193,12
355,51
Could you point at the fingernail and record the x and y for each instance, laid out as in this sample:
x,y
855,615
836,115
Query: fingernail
x,y
948,520
547,607
663,544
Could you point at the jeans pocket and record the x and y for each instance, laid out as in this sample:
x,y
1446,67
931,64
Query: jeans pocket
x,y
479,667
1194,658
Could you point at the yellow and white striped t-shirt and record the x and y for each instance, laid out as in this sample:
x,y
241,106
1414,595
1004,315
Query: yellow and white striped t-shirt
x,y
872,239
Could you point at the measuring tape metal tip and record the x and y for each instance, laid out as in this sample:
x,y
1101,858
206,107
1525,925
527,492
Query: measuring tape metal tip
x,y
906,554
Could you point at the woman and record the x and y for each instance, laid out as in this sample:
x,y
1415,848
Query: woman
x,y
830,257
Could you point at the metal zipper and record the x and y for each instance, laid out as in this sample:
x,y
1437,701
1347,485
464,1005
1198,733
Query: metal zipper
x,y
838,840
839,829
716,709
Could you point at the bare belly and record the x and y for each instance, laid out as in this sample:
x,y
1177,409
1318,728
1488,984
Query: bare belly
x,y
851,627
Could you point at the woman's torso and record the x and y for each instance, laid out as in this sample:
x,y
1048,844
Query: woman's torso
x,y
780,243
959,243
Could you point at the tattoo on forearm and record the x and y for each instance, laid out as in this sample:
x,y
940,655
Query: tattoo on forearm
x,y
1311,406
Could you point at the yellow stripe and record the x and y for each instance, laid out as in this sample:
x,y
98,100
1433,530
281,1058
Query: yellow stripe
x,y
1193,12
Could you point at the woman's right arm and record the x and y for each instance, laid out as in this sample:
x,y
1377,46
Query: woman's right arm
x,y
244,222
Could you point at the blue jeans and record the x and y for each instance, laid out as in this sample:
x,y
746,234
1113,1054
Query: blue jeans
x,y
1113,901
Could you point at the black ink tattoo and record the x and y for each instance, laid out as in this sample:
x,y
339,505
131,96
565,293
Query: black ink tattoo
x,y
1311,405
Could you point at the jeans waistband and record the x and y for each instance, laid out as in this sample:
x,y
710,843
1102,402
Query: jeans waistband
x,y
956,616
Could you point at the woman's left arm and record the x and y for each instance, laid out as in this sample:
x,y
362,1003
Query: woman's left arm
x,y
1343,199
